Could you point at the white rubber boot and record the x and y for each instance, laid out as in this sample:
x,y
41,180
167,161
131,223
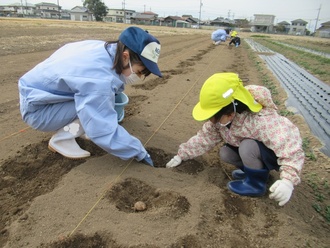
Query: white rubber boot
x,y
64,141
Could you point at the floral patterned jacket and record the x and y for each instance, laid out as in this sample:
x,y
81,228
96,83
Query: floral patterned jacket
x,y
267,126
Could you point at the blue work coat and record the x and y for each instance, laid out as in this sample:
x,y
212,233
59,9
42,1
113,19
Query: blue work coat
x,y
80,73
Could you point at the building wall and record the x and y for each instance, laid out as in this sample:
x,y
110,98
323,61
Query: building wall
x,y
42,7
298,28
263,23
263,20
119,15
81,17
323,33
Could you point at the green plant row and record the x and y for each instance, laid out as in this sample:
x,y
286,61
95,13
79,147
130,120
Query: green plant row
x,y
315,64
319,187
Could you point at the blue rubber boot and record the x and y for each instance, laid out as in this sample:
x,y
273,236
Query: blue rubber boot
x,y
254,183
238,174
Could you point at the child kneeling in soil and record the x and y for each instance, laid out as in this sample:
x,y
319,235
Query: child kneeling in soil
x,y
257,139
236,41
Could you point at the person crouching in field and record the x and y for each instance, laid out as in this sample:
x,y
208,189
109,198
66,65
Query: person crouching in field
x,y
257,139
73,93
219,35
235,39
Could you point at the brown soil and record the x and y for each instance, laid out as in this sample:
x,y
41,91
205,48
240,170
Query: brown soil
x,y
50,201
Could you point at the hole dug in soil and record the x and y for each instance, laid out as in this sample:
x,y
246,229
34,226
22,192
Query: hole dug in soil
x,y
190,167
126,193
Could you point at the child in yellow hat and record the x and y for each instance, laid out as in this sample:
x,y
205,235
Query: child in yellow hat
x,y
257,138
235,39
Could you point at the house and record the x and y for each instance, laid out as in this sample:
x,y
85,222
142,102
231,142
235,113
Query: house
x,y
17,9
283,27
323,31
242,23
222,22
192,20
80,13
48,10
115,15
128,15
119,15
150,13
175,21
182,24
263,23
146,18
298,27
66,14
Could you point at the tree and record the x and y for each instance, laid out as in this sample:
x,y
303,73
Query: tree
x,y
97,7
280,28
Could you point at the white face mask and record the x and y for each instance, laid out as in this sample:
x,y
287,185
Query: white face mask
x,y
224,125
133,78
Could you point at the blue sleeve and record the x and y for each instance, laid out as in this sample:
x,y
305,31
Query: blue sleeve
x,y
99,120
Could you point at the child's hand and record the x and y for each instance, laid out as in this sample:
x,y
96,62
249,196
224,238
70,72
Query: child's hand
x,y
281,191
174,162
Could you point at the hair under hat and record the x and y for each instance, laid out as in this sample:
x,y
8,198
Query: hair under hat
x,y
144,45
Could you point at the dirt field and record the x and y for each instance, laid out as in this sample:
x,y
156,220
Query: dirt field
x,y
49,201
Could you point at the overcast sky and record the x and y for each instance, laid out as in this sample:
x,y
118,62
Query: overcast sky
x,y
284,10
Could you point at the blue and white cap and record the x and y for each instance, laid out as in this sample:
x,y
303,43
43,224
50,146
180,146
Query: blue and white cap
x,y
144,45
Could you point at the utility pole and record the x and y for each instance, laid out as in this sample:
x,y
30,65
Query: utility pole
x,y
317,18
58,6
22,7
124,11
200,14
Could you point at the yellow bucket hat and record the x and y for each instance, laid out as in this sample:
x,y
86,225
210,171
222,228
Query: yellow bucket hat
x,y
218,91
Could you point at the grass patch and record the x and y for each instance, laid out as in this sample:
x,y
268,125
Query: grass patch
x,y
315,64
285,112
320,187
309,153
260,36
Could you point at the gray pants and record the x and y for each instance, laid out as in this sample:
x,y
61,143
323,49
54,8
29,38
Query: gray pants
x,y
251,154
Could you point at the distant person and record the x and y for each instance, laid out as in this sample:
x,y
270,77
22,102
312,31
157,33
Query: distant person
x,y
236,41
73,93
234,38
257,139
220,35
233,33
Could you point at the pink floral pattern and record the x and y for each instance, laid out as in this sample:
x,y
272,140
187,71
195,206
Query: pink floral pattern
x,y
276,132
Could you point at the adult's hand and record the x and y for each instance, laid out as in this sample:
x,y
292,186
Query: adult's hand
x,y
147,160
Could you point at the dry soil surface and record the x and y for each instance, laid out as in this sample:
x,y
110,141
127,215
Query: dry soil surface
x,y
50,201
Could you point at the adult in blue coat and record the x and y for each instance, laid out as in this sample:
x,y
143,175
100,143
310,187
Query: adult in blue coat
x,y
73,93
220,35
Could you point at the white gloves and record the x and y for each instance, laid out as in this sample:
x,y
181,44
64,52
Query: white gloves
x,y
281,191
174,162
